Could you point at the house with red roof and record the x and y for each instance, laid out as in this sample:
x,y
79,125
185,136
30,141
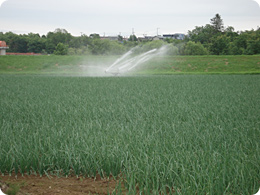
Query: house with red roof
x,y
3,48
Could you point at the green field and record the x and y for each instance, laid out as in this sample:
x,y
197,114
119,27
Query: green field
x,y
183,134
70,65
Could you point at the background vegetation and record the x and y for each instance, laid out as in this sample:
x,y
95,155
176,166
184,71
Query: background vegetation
x,y
212,38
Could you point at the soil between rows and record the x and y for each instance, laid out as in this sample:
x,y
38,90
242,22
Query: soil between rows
x,y
31,184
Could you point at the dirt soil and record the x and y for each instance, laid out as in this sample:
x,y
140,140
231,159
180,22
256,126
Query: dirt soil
x,y
32,184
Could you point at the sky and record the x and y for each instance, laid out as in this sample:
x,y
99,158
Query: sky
x,y
113,17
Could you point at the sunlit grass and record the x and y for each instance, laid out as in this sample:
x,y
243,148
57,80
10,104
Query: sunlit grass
x,y
159,65
204,65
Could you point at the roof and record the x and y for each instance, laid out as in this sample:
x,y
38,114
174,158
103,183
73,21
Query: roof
x,y
3,44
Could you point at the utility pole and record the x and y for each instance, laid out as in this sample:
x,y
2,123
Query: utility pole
x,y
157,32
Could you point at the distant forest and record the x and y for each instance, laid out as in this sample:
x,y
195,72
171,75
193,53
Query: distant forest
x,y
211,39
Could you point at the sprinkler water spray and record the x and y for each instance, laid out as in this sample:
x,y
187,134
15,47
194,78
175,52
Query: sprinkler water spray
x,y
126,63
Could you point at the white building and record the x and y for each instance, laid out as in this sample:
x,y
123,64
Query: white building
x,y
179,36
3,48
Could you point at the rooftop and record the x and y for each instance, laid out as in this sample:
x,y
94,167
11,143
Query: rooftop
x,y
3,44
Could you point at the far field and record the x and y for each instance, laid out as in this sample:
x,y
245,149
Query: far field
x,y
160,65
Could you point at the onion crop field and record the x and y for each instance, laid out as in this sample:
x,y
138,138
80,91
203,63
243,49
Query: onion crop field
x,y
179,134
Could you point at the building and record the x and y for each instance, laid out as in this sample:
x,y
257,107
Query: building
x,y
174,36
111,38
3,48
150,38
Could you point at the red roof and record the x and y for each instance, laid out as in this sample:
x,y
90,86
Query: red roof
x,y
3,44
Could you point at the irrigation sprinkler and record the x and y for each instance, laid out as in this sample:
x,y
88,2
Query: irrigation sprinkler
x,y
126,63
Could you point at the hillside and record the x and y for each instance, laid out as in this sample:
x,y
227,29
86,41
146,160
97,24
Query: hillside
x,y
79,65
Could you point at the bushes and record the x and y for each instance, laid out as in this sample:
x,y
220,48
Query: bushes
x,y
106,47
79,51
219,45
61,49
192,48
172,50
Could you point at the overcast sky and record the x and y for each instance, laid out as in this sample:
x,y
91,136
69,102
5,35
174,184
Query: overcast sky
x,y
121,16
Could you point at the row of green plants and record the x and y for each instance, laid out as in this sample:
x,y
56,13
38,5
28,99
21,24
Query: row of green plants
x,y
179,134
212,38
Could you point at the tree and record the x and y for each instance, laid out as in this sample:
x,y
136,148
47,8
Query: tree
x,y
59,36
36,44
233,49
116,48
94,36
19,44
78,42
172,50
192,48
201,34
217,23
61,49
219,45
230,32
253,47
132,38
100,47
120,38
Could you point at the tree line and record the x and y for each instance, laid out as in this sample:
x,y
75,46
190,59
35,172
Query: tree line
x,y
218,40
213,38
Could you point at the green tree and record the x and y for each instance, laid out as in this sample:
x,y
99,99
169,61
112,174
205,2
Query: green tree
x,y
172,50
192,48
78,42
49,46
202,34
94,36
19,44
120,38
61,49
253,47
248,42
105,47
217,23
233,49
132,38
16,43
230,32
59,36
219,45
100,47
36,45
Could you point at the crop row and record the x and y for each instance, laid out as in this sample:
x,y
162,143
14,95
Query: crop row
x,y
183,134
